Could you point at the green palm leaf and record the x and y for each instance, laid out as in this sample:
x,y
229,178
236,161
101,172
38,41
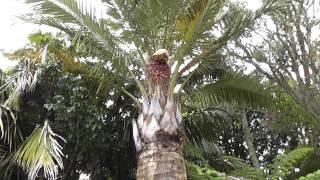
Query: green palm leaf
x,y
40,150
150,25
203,125
92,32
233,89
198,18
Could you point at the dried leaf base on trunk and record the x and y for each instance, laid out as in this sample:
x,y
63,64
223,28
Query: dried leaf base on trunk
x,y
158,161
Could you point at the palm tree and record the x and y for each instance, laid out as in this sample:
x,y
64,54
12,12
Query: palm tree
x,y
193,31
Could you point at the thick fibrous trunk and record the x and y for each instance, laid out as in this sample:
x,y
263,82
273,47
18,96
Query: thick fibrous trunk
x,y
158,132
159,142
160,162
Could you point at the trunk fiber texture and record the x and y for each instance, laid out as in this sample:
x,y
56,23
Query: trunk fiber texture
x,y
161,161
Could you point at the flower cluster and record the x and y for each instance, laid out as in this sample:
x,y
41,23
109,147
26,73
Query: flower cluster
x,y
157,70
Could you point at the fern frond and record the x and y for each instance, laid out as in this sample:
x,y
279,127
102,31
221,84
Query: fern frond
x,y
311,176
283,165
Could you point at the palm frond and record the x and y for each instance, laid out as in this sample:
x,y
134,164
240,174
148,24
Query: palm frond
x,y
202,127
97,77
89,35
100,80
198,18
209,69
234,27
235,21
192,23
232,22
149,25
81,13
233,89
239,168
92,32
9,130
191,152
206,119
23,80
40,150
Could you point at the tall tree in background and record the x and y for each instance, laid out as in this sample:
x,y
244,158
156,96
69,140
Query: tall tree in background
x,y
282,47
193,32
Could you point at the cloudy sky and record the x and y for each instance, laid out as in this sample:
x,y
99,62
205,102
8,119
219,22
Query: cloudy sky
x,y
14,32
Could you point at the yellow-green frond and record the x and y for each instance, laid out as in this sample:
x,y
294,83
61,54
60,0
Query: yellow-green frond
x,y
198,17
40,150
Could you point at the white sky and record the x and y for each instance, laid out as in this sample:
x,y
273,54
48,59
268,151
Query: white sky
x,y
14,32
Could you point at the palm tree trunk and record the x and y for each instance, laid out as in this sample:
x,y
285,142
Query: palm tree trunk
x,y
157,161
158,132
249,141
159,143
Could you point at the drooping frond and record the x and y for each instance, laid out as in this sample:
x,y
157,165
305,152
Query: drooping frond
x,y
202,126
99,80
40,150
23,79
202,155
239,168
233,89
9,131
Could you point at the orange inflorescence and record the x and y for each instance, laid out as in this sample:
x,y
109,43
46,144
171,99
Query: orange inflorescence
x,y
157,70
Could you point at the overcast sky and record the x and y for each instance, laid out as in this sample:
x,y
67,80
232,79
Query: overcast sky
x,y
14,32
